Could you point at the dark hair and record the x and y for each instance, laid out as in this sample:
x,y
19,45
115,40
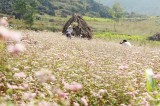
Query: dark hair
x,y
124,40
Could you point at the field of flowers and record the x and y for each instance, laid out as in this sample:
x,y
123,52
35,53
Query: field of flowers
x,y
56,71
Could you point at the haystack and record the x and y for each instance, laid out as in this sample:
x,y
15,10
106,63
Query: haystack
x,y
81,29
155,37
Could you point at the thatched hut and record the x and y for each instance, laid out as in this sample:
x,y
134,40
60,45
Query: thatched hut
x,y
81,29
155,37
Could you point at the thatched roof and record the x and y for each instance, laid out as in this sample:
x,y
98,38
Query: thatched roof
x,y
82,29
155,37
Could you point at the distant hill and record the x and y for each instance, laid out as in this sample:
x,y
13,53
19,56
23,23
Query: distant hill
x,y
61,7
149,7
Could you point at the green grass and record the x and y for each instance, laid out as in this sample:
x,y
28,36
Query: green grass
x,y
114,36
98,19
44,23
146,27
138,39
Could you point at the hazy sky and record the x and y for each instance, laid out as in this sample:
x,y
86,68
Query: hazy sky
x,y
151,7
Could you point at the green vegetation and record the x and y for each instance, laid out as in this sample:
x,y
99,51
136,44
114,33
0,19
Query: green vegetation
x,y
25,9
90,19
135,39
112,36
134,29
56,7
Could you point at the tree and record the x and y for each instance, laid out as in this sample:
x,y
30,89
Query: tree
x,y
117,11
25,9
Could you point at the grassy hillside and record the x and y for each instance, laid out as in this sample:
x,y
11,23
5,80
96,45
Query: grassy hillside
x,y
57,7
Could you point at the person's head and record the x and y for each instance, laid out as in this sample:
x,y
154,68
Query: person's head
x,y
123,41
126,43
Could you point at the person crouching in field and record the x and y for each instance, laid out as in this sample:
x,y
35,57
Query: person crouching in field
x,y
69,32
126,43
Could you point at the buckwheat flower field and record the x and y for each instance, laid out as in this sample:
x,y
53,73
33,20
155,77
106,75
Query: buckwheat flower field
x,y
56,71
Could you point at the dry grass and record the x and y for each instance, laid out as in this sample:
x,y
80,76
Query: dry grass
x,y
96,64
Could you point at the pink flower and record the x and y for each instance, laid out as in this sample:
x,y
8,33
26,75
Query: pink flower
x,y
16,49
157,76
20,47
29,96
84,101
45,75
3,22
15,36
102,91
25,86
76,104
122,67
11,49
4,33
44,103
12,86
74,86
20,75
61,94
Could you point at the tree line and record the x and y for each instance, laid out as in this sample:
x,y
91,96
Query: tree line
x,y
26,9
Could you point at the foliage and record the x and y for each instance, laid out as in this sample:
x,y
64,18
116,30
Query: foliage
x,y
110,35
97,19
25,9
117,11
55,7
135,39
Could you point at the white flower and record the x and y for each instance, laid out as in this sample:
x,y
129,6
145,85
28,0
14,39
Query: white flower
x,y
84,101
15,36
16,49
29,95
20,75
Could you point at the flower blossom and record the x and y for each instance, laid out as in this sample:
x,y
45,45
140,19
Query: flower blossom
x,y
15,36
84,101
16,49
29,95
61,94
122,67
45,75
3,22
20,75
4,33
157,76
74,86
76,104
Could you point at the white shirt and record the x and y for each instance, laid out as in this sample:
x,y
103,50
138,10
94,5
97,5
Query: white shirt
x,y
127,44
69,30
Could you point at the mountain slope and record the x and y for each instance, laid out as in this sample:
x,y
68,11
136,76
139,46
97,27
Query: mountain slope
x,y
60,7
150,7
